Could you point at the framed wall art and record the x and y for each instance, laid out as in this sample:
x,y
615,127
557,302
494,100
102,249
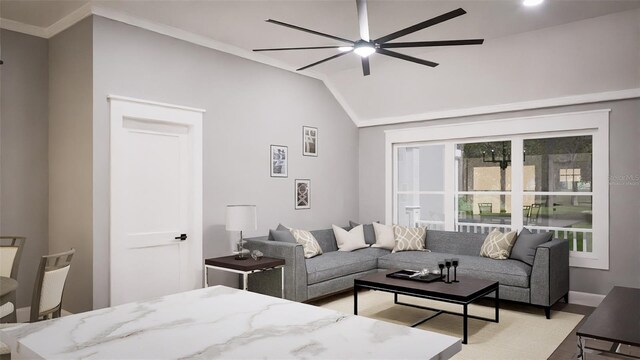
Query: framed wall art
x,y
302,194
309,141
279,161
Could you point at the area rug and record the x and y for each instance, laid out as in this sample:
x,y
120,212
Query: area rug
x,y
523,331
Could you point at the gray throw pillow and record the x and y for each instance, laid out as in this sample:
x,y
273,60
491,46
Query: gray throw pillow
x,y
282,227
369,233
282,235
525,247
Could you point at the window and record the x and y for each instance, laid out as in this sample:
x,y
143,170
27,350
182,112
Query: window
x,y
558,191
420,189
483,186
547,173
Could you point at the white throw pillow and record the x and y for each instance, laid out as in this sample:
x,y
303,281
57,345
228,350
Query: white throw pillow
x,y
409,239
309,243
349,240
384,236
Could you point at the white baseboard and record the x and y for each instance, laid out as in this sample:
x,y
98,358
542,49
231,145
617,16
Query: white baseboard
x,y
583,298
23,314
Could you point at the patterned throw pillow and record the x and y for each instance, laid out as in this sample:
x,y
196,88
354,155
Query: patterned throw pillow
x,y
308,241
498,245
408,239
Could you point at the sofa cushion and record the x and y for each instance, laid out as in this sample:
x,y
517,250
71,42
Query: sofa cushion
x,y
309,243
281,235
498,245
408,238
335,264
453,242
526,243
374,252
507,272
369,233
326,239
384,236
349,240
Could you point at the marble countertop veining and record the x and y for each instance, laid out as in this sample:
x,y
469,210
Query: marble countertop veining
x,y
226,323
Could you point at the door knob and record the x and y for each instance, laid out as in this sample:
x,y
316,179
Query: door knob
x,y
182,237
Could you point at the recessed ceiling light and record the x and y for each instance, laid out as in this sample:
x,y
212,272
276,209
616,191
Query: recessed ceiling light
x,y
345,48
531,2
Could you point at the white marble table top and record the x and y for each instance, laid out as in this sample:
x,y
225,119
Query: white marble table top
x,y
220,322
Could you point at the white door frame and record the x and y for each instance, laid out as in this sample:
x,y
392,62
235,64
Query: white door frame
x,y
125,107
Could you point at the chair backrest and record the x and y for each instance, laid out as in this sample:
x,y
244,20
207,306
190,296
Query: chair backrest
x,y
10,252
485,208
526,210
49,286
535,212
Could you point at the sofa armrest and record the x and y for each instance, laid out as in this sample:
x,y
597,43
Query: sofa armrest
x,y
550,272
295,269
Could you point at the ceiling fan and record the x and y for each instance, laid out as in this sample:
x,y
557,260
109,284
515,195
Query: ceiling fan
x,y
366,46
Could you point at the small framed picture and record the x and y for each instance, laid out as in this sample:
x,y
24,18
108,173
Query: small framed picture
x,y
302,194
309,141
279,161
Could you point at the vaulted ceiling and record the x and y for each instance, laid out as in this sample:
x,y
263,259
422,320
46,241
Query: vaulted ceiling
x,y
241,25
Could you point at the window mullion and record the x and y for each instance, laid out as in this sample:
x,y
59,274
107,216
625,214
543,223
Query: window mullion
x,y
517,182
450,200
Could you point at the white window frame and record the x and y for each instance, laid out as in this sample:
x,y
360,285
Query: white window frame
x,y
594,123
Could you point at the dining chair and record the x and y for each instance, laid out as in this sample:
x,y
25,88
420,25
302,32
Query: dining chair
x,y
485,208
52,274
10,253
526,210
534,214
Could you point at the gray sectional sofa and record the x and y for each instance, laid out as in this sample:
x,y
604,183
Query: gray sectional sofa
x,y
542,284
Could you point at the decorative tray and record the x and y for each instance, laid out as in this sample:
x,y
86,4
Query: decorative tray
x,y
414,275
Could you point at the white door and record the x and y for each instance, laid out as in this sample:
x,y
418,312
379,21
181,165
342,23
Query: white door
x,y
156,206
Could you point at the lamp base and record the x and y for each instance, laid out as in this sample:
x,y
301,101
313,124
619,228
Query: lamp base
x,y
241,257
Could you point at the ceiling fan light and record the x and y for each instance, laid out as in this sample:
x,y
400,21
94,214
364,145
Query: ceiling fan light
x,y
345,48
532,2
364,50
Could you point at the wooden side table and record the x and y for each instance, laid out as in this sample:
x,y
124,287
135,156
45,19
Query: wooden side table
x,y
616,320
244,267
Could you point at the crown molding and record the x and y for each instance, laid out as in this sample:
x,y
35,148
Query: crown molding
x,y
16,26
517,106
95,9
69,20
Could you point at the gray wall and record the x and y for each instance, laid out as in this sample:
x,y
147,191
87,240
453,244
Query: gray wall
x,y
624,213
23,150
249,106
70,159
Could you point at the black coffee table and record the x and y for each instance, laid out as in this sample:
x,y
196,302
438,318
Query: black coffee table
x,y
616,320
462,293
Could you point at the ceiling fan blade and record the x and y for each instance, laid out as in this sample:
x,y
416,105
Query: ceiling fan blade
x,y
406,57
432,43
425,24
363,19
308,30
365,66
300,48
327,59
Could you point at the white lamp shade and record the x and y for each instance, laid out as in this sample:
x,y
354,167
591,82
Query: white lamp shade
x,y
241,218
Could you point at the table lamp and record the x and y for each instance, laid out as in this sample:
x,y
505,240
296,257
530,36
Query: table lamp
x,y
241,218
